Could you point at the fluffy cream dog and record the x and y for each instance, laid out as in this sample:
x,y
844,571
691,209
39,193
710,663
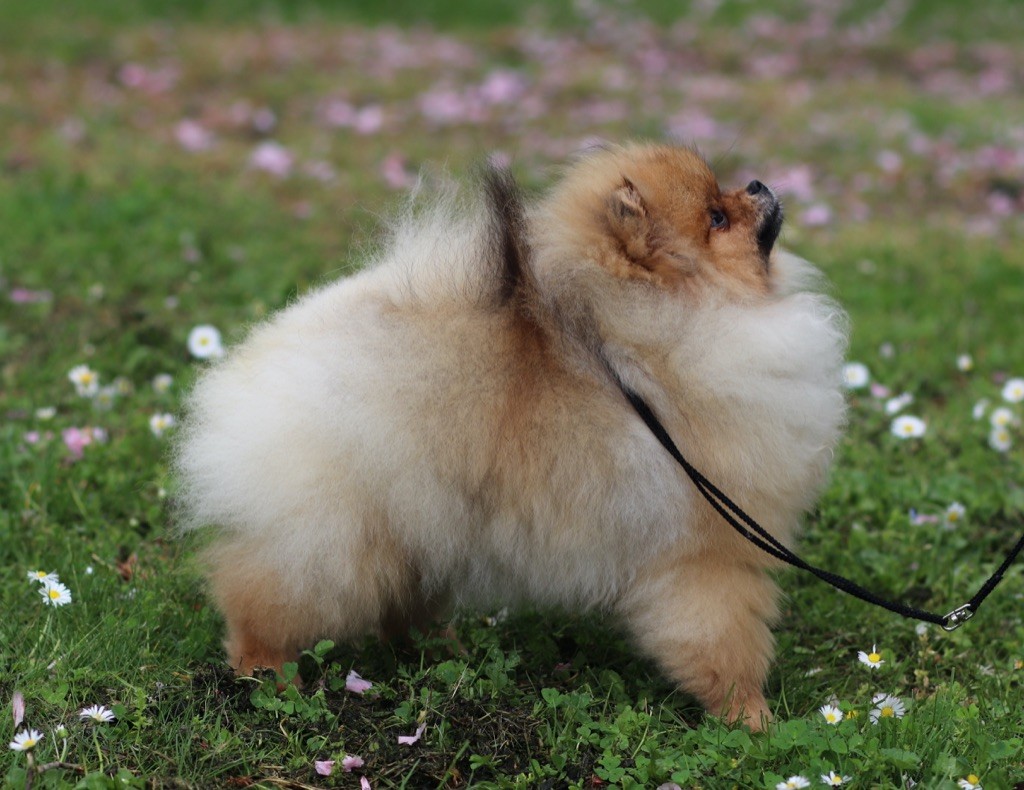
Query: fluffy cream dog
x,y
443,429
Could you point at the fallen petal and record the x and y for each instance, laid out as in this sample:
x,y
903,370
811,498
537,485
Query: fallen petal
x,y
18,706
324,767
356,684
409,740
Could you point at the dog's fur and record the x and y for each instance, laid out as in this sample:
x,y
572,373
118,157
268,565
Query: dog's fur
x,y
443,429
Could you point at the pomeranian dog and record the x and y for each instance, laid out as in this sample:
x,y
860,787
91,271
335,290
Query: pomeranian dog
x,y
445,429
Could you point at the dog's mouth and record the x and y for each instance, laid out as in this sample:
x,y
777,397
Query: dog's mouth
x,y
769,224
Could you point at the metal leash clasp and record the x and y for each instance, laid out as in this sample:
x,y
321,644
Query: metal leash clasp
x,y
958,617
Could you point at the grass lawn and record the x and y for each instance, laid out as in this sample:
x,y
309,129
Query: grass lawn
x,y
167,167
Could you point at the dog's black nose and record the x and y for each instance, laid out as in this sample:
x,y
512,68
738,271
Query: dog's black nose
x,y
755,187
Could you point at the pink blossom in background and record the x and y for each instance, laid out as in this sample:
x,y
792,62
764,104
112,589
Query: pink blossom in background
x,y
368,120
351,762
500,159
362,120
338,113
139,77
797,182
443,105
889,161
690,125
273,158
816,215
880,390
995,80
394,171
447,106
319,170
264,120
73,130
502,86
192,136
773,66
77,439
1001,204
27,296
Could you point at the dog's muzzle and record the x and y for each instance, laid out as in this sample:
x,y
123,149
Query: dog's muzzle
x,y
769,216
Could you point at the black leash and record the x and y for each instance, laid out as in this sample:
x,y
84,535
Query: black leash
x,y
761,538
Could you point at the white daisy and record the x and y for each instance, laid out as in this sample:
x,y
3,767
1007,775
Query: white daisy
x,y
162,382
831,713
43,577
46,413
873,659
1013,391
86,380
855,375
1003,418
979,409
26,740
1000,440
886,707
204,342
98,713
159,423
908,427
55,594
899,403
793,782
832,779
970,782
105,398
965,363
954,516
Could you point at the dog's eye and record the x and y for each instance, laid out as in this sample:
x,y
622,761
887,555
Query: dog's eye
x,y
718,220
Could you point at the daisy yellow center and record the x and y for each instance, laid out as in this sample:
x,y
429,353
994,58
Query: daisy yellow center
x,y
888,711
54,594
908,429
831,717
874,657
973,779
28,743
204,341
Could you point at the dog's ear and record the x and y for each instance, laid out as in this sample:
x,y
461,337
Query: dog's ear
x,y
639,235
630,221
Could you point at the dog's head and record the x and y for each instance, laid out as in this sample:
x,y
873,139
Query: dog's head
x,y
656,214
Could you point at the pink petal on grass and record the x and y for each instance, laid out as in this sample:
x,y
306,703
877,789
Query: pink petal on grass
x,y
18,707
364,783
409,740
355,684
352,762
324,767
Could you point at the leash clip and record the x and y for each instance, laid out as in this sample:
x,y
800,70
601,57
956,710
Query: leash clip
x,y
958,617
